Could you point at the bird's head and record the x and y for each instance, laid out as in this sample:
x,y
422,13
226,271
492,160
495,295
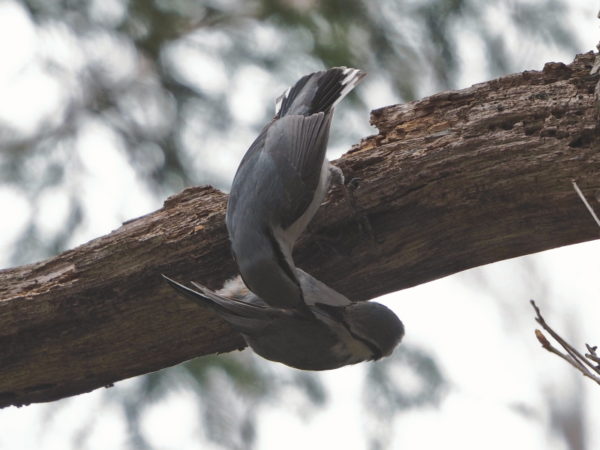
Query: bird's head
x,y
376,325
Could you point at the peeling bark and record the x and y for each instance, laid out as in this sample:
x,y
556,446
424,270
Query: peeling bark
x,y
454,181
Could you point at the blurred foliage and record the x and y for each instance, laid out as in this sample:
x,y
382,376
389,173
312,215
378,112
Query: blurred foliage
x,y
229,391
410,379
160,79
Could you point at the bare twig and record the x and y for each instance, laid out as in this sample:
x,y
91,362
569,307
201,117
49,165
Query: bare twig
x,y
572,356
592,354
585,202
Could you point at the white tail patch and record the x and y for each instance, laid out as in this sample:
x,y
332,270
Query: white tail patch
x,y
352,78
234,288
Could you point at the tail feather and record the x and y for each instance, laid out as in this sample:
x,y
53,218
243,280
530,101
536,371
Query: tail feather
x,y
318,92
195,296
205,297
244,317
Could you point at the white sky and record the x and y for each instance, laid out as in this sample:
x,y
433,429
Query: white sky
x,y
494,366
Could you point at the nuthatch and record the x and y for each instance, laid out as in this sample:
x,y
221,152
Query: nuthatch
x,y
282,312
337,333
281,182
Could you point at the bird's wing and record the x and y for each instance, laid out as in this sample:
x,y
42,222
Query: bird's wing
x,y
296,145
289,152
282,168
245,317
297,139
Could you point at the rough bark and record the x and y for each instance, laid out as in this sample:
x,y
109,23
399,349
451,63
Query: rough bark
x,y
450,182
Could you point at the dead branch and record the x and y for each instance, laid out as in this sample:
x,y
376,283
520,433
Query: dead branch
x,y
454,181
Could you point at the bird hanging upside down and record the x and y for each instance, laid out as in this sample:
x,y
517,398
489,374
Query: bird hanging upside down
x,y
283,313
280,183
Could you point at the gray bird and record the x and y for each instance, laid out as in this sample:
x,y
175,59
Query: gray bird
x,y
338,332
280,183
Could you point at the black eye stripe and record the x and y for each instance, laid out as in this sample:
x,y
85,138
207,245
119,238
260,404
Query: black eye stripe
x,y
377,354
337,314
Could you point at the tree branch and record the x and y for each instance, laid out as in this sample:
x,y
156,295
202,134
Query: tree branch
x,y
572,356
453,181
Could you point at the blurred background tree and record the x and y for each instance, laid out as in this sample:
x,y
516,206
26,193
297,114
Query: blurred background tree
x,y
180,88
109,106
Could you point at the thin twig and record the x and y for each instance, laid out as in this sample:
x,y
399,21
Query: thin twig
x,y
573,353
592,354
572,356
546,344
564,344
585,202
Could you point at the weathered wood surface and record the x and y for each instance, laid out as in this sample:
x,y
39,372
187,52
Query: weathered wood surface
x,y
450,182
